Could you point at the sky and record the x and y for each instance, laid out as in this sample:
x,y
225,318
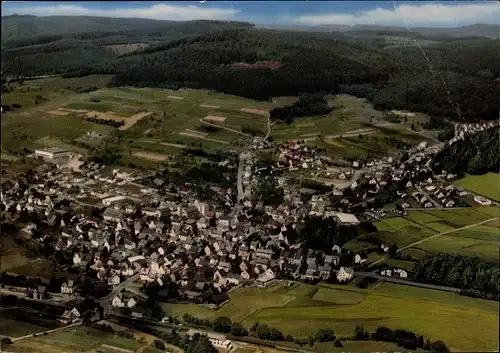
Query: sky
x,y
306,13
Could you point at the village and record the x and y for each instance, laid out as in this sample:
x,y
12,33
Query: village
x,y
128,230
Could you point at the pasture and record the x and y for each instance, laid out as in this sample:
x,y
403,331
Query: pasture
x,y
480,240
14,328
486,185
300,309
77,339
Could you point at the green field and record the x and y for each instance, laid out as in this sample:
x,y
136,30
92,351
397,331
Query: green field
x,y
14,328
80,339
301,309
486,185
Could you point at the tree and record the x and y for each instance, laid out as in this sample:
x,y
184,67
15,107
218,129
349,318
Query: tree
x,y
338,343
393,250
200,344
439,346
238,330
222,324
360,333
159,344
325,335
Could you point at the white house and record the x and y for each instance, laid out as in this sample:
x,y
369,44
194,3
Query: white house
x,y
67,287
53,153
345,274
217,340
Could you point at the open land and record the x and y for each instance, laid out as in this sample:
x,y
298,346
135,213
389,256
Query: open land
x,y
78,339
481,240
486,185
301,309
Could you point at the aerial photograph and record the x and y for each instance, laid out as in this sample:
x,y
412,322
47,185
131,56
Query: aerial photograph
x,y
250,177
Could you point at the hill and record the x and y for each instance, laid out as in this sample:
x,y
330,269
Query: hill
x,y
23,27
236,58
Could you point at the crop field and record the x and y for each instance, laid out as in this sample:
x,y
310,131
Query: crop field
x,y
78,339
300,309
157,114
481,240
486,185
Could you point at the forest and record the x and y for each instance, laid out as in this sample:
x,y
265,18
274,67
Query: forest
x,y
458,271
203,54
476,154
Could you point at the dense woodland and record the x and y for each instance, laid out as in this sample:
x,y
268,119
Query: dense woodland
x,y
458,271
201,54
477,154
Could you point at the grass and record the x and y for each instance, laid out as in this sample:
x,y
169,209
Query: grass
x,y
486,185
14,328
80,339
300,309
358,347
433,319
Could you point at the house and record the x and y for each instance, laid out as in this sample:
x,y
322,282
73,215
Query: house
x,y
482,200
111,214
69,316
137,313
117,302
131,303
40,292
114,280
67,287
345,274
264,253
265,278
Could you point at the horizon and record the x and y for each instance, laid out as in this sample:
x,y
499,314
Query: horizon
x,y
300,13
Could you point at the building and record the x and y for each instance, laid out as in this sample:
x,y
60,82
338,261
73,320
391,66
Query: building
x,y
265,279
345,274
53,153
217,340
347,218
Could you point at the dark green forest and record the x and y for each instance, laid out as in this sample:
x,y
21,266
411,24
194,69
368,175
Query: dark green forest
x,y
203,54
477,154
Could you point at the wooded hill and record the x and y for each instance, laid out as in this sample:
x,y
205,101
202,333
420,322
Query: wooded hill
x,y
202,54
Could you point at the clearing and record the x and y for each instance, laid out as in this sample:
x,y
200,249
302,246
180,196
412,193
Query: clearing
x,y
487,185
122,49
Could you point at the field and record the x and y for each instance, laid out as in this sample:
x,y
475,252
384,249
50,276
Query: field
x,y
14,328
80,339
486,185
434,314
477,241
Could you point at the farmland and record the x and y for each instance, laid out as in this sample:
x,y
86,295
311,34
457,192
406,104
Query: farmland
x,y
480,240
486,185
77,339
301,309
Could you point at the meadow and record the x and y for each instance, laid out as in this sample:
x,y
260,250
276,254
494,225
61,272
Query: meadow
x,y
77,339
486,185
300,309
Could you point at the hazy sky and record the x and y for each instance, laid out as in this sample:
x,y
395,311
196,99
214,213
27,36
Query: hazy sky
x,y
431,13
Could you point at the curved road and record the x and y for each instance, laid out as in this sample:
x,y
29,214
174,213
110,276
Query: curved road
x,y
241,165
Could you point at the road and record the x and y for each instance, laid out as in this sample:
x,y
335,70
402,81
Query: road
x,y
438,235
407,282
104,301
79,323
268,127
224,128
241,166
434,202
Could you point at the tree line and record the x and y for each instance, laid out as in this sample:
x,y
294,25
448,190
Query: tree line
x,y
469,273
306,105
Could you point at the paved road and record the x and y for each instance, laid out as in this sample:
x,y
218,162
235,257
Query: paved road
x,y
407,282
241,165
438,235
105,301
434,202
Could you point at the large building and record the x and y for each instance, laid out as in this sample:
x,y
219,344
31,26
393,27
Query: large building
x,y
217,340
53,153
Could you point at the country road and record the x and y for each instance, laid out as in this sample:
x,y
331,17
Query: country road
x,y
352,133
79,323
224,128
407,282
438,235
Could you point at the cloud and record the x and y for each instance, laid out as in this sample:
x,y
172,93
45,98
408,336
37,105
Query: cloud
x,y
156,12
414,15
